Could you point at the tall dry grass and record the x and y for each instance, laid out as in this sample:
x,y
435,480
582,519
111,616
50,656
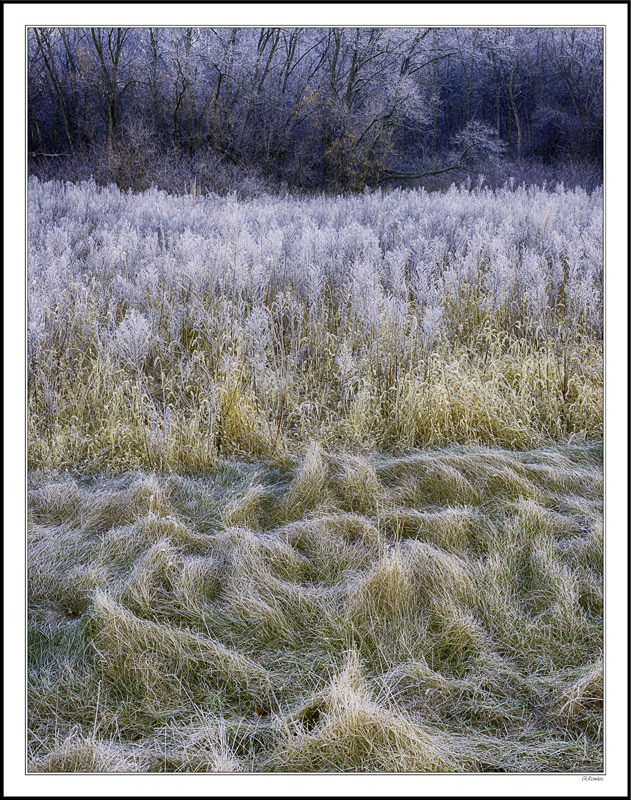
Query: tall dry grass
x,y
163,335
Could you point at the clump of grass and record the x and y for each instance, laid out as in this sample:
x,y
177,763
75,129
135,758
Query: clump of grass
x,y
309,487
153,527
335,544
345,729
386,592
150,586
80,753
160,657
204,746
359,485
441,578
581,702
248,508
198,584
454,528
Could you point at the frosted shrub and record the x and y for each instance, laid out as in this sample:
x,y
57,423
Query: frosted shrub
x,y
132,338
366,292
431,322
395,263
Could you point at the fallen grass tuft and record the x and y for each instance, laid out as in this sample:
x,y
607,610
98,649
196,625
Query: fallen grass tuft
x,y
347,730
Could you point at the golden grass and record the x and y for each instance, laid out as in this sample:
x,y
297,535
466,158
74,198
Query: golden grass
x,y
437,611
497,385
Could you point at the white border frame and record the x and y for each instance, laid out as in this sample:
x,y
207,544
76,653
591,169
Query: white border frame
x,y
611,15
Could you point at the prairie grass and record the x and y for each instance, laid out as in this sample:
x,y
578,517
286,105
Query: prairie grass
x,y
434,612
103,421
164,336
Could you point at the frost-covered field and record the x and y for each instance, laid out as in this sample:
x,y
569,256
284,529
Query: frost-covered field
x,y
315,483
165,330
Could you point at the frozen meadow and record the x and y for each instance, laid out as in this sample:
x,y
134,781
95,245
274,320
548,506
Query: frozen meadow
x,y
166,330
315,483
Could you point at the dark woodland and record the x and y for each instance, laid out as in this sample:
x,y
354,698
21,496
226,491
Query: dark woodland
x,y
335,109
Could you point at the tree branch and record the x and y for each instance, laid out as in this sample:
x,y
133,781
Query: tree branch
x,y
408,176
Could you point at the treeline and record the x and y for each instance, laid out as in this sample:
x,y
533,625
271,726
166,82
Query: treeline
x,y
196,109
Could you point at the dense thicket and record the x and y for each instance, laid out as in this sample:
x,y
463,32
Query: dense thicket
x,y
339,108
